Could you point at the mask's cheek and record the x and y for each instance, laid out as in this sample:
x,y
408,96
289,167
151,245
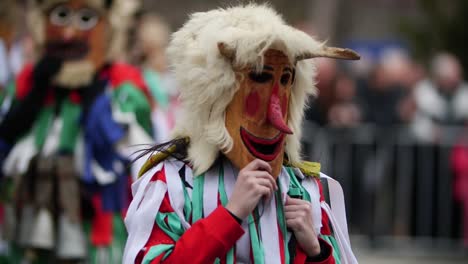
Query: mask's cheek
x,y
285,104
252,104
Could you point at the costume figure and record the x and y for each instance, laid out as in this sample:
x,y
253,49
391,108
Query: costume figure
x,y
440,100
63,143
231,187
152,38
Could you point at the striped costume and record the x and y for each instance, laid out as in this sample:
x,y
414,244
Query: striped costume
x,y
177,218
68,175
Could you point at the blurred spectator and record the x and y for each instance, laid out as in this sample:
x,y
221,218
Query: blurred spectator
x,y
8,48
152,38
379,97
345,111
326,78
441,100
16,49
459,160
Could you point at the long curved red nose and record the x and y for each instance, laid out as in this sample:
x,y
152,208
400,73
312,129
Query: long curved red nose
x,y
275,115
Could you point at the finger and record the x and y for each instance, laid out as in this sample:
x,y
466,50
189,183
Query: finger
x,y
294,201
266,183
258,164
294,224
295,215
267,176
264,191
297,207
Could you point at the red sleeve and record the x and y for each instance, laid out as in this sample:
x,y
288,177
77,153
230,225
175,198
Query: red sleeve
x,y
206,240
328,258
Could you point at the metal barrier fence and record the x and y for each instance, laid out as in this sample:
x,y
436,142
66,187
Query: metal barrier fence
x,y
394,186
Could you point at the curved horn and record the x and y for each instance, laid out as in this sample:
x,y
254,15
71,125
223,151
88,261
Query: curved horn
x,y
330,52
226,51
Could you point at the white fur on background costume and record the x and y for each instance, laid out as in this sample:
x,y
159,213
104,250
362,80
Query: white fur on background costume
x,y
208,79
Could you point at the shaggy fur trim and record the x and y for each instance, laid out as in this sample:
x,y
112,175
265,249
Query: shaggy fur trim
x,y
120,16
75,74
208,82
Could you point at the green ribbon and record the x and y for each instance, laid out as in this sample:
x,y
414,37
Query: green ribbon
x,y
224,201
197,197
133,100
157,250
42,125
70,114
282,221
336,250
173,227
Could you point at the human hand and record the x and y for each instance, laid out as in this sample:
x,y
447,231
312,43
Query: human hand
x,y
298,214
253,182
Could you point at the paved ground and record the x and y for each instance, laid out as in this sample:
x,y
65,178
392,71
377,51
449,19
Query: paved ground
x,y
409,252
381,258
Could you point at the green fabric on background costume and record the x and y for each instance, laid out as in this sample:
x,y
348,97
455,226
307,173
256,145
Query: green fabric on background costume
x,y
131,99
153,81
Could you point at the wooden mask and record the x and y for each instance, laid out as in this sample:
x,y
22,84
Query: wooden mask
x,y
76,32
257,116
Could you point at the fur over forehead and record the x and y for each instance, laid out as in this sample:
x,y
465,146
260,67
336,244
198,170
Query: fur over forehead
x,y
208,82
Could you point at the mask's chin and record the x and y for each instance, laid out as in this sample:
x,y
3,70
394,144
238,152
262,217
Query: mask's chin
x,y
266,149
75,74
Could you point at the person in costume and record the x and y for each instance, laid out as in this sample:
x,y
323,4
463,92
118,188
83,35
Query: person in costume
x,y
230,187
64,142
152,38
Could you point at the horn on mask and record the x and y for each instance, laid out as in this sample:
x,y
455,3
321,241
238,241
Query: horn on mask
x,y
330,52
226,51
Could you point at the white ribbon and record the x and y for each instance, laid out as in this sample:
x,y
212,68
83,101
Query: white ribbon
x,y
337,216
148,196
210,190
269,232
243,244
176,189
311,186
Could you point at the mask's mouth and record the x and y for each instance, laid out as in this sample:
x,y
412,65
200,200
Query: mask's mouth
x,y
266,149
70,50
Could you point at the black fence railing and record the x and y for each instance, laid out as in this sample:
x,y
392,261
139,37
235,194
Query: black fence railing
x,y
394,186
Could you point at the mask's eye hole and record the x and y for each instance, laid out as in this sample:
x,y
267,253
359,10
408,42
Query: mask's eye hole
x,y
60,16
293,77
262,77
285,78
87,19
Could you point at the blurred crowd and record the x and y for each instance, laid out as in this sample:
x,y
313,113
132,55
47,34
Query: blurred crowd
x,y
393,90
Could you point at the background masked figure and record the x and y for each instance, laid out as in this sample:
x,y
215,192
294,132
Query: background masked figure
x,y
231,187
64,140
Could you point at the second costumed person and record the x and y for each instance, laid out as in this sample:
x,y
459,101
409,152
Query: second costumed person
x,y
63,142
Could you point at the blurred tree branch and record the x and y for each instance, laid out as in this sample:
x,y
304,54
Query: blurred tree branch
x,y
443,27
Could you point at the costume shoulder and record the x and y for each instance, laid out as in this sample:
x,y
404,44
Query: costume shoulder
x,y
121,73
308,168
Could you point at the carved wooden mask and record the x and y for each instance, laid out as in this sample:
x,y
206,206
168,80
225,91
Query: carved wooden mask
x,y
257,116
